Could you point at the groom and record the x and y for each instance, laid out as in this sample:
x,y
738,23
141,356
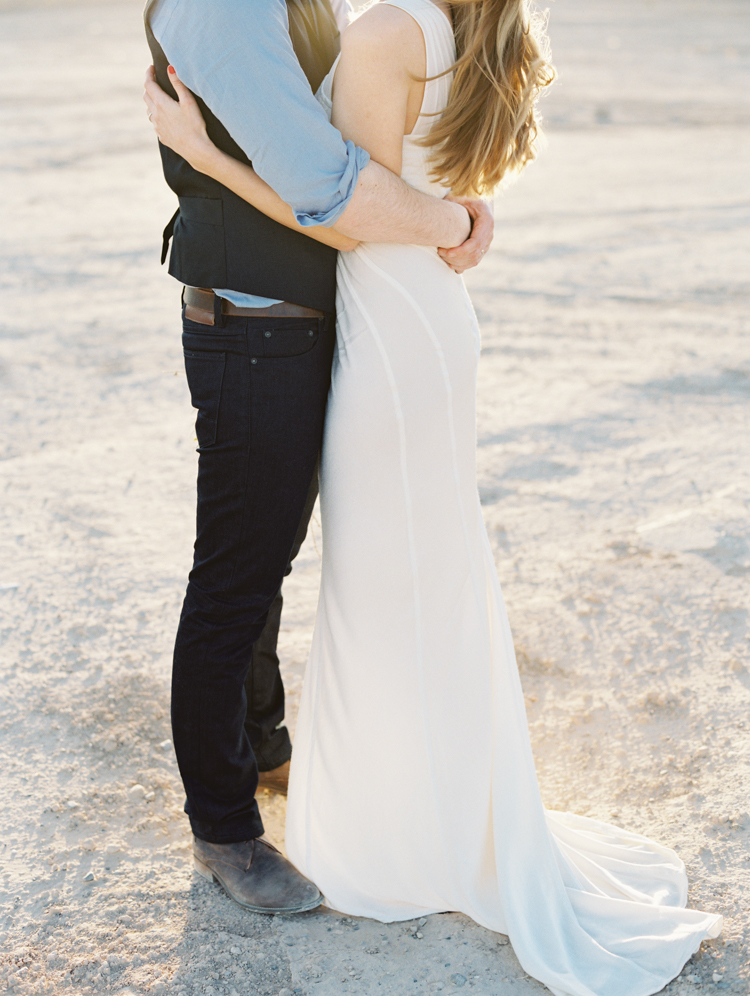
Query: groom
x,y
258,337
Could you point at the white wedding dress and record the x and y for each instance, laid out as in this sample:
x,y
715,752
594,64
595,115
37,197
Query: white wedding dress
x,y
413,787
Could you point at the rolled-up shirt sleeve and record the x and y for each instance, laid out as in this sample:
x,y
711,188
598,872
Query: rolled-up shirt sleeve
x,y
238,57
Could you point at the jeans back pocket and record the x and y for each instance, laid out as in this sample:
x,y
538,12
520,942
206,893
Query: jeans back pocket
x,y
205,376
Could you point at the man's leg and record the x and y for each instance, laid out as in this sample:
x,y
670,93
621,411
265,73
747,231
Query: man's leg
x,y
260,386
264,688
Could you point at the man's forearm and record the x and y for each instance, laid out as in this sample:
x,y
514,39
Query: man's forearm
x,y
385,209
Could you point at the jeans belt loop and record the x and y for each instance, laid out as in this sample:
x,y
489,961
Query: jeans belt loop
x,y
218,314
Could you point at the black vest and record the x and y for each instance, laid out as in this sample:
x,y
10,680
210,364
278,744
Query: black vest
x,y
219,240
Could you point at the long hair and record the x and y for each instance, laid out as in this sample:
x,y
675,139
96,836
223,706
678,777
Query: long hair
x,y
490,126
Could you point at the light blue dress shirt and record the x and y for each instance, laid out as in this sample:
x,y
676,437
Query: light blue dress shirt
x,y
238,57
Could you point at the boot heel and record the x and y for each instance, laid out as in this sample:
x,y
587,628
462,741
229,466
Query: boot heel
x,y
203,870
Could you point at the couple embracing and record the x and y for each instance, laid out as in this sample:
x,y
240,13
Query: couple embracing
x,y
318,166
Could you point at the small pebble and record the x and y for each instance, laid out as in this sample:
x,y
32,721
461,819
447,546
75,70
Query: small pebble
x,y
72,804
88,877
137,792
236,950
717,977
422,921
165,744
458,980
419,934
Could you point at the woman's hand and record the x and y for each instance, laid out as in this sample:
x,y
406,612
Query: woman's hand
x,y
471,252
178,123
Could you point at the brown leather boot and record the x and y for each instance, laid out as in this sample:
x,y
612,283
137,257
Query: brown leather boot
x,y
276,780
256,875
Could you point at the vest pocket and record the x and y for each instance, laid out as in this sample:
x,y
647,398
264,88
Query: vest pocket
x,y
205,376
202,210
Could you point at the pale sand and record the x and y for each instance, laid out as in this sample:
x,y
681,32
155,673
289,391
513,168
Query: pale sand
x,y
613,432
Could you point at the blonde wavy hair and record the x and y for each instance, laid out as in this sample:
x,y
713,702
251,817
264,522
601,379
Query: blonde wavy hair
x,y
490,127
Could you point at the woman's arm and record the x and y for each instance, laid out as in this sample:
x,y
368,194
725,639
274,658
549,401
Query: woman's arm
x,y
179,125
245,182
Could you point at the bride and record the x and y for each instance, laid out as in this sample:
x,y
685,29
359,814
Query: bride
x,y
412,688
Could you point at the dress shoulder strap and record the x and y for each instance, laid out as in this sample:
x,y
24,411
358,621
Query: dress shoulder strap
x,y
440,51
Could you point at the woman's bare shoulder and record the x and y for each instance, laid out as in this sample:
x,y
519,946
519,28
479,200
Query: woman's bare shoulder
x,y
383,30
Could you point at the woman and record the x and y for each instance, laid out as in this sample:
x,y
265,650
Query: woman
x,y
412,687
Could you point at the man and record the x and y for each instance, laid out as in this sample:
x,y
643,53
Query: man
x,y
258,348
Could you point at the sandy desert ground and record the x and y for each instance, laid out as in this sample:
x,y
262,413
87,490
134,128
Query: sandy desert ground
x,y
614,464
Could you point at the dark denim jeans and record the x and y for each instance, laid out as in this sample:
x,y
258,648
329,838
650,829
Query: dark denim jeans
x,y
260,387
264,688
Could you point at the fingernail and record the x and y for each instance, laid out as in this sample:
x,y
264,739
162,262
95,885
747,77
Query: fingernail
x,y
171,69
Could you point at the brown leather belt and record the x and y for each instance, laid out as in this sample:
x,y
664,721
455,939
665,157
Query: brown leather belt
x,y
199,307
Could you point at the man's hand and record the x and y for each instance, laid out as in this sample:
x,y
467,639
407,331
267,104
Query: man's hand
x,y
472,251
